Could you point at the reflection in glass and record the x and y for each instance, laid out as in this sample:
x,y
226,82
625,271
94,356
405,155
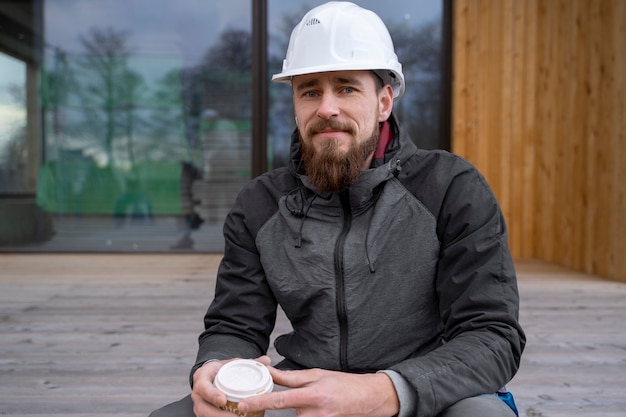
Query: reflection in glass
x,y
146,122
13,147
126,126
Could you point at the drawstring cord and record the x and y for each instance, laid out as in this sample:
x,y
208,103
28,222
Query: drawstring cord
x,y
308,207
301,211
298,212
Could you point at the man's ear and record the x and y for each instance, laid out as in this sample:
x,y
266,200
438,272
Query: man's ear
x,y
385,103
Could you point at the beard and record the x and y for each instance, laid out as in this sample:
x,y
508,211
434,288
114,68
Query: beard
x,y
330,169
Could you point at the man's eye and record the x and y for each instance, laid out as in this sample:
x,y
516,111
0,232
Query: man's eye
x,y
310,94
349,89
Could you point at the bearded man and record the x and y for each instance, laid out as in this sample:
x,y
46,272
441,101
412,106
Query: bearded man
x,y
390,262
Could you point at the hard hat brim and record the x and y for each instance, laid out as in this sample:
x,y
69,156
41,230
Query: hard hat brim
x,y
286,76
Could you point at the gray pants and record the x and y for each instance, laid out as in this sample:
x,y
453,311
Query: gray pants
x,y
481,406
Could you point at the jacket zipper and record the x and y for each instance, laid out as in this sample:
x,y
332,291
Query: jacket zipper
x,y
339,281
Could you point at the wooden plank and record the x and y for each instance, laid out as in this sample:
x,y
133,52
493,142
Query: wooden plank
x,y
483,68
609,34
616,267
460,86
575,359
526,36
464,83
501,61
94,335
516,131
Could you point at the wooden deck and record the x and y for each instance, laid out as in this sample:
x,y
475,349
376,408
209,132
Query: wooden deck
x,y
115,335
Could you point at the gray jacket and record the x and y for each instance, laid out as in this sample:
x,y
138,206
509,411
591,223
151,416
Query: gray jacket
x,y
407,271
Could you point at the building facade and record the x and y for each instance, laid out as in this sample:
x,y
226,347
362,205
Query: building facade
x,y
130,126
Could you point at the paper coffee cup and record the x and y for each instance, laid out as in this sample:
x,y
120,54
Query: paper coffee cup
x,y
243,378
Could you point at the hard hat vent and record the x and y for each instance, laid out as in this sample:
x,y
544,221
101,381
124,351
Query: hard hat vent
x,y
313,21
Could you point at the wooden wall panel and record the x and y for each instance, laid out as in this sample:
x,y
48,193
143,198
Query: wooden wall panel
x,y
539,107
524,129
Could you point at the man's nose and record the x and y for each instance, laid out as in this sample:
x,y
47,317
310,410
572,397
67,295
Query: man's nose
x,y
328,107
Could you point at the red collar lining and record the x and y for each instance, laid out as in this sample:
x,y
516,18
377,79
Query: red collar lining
x,y
385,138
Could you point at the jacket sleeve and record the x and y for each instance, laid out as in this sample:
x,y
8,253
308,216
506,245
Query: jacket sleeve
x,y
241,317
482,341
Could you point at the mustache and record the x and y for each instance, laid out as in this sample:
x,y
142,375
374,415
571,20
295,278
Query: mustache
x,y
322,125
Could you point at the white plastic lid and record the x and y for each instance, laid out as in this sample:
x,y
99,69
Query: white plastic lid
x,y
243,378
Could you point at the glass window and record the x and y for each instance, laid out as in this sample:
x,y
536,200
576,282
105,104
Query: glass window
x,y
13,143
126,125
416,29
145,121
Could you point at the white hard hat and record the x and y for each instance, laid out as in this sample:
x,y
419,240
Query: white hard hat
x,y
341,36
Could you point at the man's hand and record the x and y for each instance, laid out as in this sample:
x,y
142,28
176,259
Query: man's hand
x,y
321,393
207,399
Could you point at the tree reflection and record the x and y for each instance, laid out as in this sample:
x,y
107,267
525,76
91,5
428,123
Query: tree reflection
x,y
197,96
419,51
108,88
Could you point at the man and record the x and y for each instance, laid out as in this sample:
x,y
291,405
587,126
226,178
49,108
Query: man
x,y
390,262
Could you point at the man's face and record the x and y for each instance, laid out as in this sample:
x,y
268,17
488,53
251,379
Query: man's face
x,y
338,115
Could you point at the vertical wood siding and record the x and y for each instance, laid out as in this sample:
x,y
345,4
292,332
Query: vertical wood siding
x,y
539,107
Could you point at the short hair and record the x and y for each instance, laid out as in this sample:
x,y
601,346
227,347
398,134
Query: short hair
x,y
378,81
